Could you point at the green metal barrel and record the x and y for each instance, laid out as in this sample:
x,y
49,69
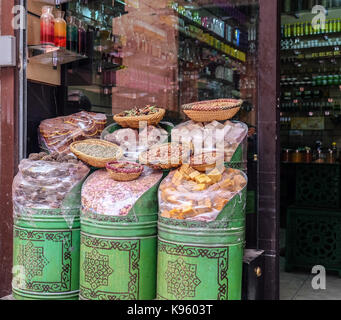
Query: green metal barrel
x,y
118,259
118,253
200,260
46,256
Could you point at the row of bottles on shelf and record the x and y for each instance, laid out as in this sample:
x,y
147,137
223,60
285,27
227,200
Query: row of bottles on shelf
x,y
192,56
317,154
307,44
54,30
224,30
313,80
72,34
312,106
289,6
306,28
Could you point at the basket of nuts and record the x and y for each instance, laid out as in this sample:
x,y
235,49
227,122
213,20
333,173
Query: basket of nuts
x,y
95,152
132,118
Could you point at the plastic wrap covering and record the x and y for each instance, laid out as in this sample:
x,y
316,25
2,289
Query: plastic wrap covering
x,y
187,194
212,136
48,187
58,133
102,195
133,141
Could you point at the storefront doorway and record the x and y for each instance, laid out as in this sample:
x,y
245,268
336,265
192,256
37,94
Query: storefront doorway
x,y
310,143
165,53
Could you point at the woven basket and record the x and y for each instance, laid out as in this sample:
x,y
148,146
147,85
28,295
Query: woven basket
x,y
93,161
134,122
210,110
123,176
162,165
205,166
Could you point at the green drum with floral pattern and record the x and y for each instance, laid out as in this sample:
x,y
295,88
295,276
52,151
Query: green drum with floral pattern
x,y
118,253
118,258
202,260
46,256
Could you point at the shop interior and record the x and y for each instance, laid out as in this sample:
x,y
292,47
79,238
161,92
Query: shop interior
x,y
310,116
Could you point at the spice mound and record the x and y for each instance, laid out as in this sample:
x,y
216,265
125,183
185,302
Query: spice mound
x,y
96,150
136,111
188,194
132,118
103,195
124,171
44,184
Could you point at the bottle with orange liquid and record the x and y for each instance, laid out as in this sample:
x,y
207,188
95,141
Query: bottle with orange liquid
x,y
60,30
47,26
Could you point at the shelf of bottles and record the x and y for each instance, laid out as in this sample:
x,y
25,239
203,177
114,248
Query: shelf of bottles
x,y
56,42
212,53
211,31
304,42
103,46
291,7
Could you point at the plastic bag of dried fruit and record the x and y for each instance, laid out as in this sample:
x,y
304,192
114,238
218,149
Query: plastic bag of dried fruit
x,y
48,184
223,138
104,196
188,194
57,134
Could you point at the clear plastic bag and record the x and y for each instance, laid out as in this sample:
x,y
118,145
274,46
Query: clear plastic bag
x,y
189,195
58,133
134,142
103,195
223,138
48,187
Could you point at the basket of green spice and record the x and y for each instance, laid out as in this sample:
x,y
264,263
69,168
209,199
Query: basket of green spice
x,y
131,118
95,152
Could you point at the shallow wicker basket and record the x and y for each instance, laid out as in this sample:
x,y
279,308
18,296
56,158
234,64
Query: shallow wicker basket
x,y
123,176
210,110
204,166
134,122
94,161
162,165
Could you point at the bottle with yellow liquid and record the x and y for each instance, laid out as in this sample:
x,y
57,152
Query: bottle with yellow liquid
x,y
60,29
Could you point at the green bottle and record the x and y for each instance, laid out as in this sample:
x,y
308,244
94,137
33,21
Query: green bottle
x,y
327,26
338,25
306,29
311,31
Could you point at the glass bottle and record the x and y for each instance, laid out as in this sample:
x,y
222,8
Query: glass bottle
x,y
71,34
287,6
47,26
60,30
81,38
